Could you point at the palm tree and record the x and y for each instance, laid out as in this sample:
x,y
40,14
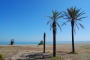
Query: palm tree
x,y
53,23
73,15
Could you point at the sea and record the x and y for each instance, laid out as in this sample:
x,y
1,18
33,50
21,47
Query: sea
x,y
58,42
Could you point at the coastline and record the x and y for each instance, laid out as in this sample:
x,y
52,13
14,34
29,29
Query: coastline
x,y
36,43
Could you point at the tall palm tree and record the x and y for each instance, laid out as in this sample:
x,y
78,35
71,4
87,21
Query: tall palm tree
x,y
73,15
53,23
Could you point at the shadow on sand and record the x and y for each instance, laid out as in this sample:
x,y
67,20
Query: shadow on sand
x,y
35,56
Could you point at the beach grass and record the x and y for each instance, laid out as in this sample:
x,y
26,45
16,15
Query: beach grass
x,y
73,53
2,57
55,58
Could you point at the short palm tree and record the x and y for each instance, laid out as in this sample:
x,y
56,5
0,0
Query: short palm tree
x,y
44,38
53,23
73,15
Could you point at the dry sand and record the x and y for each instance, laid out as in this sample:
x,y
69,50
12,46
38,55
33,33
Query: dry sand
x,y
17,52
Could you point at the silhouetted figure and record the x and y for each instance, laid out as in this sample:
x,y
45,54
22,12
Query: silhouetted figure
x,y
12,42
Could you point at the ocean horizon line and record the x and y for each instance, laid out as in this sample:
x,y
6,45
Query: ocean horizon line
x,y
28,43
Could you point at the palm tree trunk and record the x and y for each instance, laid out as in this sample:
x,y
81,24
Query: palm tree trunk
x,y
73,50
54,43
44,43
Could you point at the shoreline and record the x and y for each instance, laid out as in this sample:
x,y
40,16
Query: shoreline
x,y
36,43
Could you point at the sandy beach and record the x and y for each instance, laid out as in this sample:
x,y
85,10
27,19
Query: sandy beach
x,y
19,52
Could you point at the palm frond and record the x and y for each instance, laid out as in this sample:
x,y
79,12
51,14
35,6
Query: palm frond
x,y
59,13
49,22
65,22
80,18
50,17
79,14
81,26
51,26
61,21
59,26
65,14
77,26
59,17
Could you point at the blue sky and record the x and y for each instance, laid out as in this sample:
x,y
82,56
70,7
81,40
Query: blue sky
x,y
26,21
